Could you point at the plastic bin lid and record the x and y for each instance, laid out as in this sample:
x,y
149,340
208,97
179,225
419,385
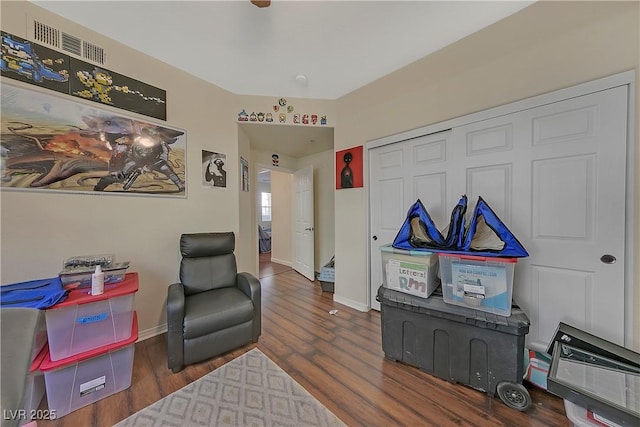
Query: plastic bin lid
x,y
37,361
391,249
478,258
48,365
83,295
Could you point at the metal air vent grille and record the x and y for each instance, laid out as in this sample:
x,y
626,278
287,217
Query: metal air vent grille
x,y
54,37
46,34
92,52
71,44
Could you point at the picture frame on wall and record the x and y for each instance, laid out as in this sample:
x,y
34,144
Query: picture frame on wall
x,y
52,142
244,174
32,63
349,168
214,171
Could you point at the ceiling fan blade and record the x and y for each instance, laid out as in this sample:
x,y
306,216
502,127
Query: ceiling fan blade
x,y
261,3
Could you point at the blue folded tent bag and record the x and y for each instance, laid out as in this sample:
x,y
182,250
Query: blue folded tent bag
x,y
484,235
41,294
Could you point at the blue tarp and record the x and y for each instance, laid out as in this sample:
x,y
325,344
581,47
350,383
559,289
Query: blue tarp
x,y
42,293
484,235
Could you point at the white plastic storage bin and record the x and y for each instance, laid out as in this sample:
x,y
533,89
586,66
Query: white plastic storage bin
x,y
85,378
580,417
83,322
481,283
411,272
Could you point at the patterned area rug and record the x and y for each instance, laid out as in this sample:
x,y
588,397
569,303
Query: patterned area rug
x,y
251,390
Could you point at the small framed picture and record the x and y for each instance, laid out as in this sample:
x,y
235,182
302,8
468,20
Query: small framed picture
x,y
214,172
349,166
244,174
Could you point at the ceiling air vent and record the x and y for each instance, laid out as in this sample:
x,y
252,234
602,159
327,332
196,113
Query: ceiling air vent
x,y
92,52
68,43
71,44
46,34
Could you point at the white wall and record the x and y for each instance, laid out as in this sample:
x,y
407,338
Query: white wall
x,y
40,229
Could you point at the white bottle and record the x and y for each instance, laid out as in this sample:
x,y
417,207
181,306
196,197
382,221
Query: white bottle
x,y
97,281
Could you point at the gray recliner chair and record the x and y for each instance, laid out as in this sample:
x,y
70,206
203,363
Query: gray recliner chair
x,y
214,309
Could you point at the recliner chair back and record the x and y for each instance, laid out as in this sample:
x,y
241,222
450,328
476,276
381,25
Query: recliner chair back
x,y
207,263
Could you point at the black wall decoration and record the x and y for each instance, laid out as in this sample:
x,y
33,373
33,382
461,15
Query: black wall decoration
x,y
38,65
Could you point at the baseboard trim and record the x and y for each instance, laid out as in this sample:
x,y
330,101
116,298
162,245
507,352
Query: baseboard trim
x,y
351,303
279,261
152,332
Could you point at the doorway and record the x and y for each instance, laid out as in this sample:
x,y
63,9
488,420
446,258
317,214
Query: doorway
x,y
273,216
296,147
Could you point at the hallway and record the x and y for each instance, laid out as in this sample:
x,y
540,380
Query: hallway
x,y
268,268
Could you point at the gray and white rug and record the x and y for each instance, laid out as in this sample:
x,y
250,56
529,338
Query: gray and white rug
x,y
251,390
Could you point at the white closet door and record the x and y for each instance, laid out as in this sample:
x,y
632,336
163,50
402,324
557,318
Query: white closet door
x,y
555,175
575,215
399,175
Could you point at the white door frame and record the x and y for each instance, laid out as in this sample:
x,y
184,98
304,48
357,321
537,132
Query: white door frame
x,y
254,203
626,78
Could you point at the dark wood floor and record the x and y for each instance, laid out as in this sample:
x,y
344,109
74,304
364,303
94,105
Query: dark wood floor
x,y
268,268
337,358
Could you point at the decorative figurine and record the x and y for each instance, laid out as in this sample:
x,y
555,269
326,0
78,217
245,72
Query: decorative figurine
x,y
346,176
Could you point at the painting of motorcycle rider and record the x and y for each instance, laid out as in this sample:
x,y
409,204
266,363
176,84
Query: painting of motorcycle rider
x,y
214,173
50,142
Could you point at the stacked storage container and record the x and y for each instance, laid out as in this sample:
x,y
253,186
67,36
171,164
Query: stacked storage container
x,y
477,282
469,333
411,272
88,337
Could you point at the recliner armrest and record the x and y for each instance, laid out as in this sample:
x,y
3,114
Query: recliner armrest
x,y
251,286
175,320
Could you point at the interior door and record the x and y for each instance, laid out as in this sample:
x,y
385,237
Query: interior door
x,y
574,212
555,175
303,233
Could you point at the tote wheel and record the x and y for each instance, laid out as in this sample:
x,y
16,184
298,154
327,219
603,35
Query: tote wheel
x,y
514,395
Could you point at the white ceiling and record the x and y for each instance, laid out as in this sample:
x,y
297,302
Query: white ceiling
x,y
339,46
289,140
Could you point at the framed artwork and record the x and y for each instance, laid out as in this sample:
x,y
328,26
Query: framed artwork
x,y
55,143
349,168
244,174
214,173
31,63
100,85
38,65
